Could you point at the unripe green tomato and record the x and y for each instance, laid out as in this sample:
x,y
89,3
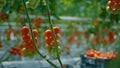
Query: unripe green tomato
x,y
48,47
32,3
27,4
108,9
2,3
33,6
114,11
24,52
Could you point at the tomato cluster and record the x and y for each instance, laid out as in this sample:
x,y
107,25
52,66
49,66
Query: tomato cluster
x,y
67,49
3,16
49,39
110,38
16,32
86,35
1,45
16,50
37,22
71,39
20,20
95,39
21,9
114,6
73,36
102,55
9,32
28,45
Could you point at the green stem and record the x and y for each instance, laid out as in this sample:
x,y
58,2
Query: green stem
x,y
30,26
2,65
5,58
54,36
4,55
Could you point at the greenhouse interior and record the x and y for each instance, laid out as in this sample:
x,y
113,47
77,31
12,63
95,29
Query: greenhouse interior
x,y
59,33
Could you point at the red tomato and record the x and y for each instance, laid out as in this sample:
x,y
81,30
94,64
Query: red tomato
x,y
31,48
95,40
35,20
56,29
38,45
48,33
36,40
110,3
9,31
117,5
31,42
39,20
26,38
25,30
54,44
25,45
1,45
67,49
86,35
71,39
111,36
16,32
48,40
105,40
11,51
35,32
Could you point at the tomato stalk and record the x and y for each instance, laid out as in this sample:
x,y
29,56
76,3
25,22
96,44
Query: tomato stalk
x,y
54,36
37,50
5,60
2,57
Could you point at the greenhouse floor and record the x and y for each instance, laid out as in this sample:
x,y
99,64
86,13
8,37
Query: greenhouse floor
x,y
75,63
